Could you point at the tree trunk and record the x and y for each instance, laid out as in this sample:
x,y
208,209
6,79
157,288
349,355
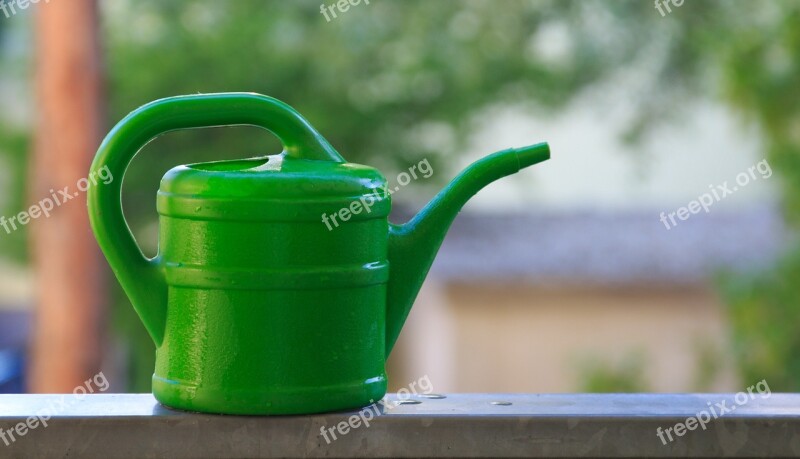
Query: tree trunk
x,y
69,315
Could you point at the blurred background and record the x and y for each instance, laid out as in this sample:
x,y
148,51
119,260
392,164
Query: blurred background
x,y
562,278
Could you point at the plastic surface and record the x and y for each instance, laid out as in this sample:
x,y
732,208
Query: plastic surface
x,y
255,305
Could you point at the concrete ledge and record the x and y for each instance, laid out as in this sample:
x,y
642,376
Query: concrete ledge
x,y
461,425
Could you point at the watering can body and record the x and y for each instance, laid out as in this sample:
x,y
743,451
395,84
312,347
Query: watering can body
x,y
275,312
255,304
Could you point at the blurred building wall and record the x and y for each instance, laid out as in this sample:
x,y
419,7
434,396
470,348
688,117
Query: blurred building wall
x,y
549,302
512,337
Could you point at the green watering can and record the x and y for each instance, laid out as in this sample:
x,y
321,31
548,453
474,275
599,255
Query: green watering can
x,y
255,304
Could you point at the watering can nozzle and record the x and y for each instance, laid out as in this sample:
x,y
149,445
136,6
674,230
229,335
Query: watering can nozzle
x,y
528,156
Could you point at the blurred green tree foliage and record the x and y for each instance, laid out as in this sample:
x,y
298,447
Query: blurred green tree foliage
x,y
14,145
396,81
760,55
600,375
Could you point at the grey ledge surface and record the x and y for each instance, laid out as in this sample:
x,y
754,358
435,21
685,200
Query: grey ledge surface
x,y
458,425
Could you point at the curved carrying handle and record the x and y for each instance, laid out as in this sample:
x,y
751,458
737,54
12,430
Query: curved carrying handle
x,y
143,278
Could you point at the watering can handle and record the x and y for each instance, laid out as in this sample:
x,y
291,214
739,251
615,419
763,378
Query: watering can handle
x,y
142,278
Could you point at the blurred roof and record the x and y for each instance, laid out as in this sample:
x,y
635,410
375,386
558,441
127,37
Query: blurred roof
x,y
608,248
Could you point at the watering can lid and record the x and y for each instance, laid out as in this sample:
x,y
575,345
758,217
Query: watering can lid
x,y
240,188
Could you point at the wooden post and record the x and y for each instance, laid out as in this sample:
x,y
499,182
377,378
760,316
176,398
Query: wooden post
x,y
67,339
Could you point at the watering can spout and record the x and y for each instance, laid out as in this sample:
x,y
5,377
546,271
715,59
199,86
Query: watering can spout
x,y
413,246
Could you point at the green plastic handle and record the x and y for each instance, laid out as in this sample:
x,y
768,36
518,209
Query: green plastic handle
x,y
143,278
